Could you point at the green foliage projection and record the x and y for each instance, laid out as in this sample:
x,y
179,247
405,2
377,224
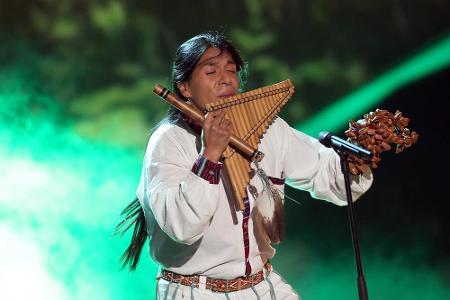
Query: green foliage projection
x,y
352,106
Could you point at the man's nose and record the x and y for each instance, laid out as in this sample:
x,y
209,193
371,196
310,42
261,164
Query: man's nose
x,y
225,77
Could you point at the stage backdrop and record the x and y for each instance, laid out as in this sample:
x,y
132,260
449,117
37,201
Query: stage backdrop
x,y
76,111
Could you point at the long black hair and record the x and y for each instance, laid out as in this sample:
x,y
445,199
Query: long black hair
x,y
186,58
189,54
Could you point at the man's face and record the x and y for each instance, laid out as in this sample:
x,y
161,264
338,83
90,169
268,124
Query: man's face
x,y
213,78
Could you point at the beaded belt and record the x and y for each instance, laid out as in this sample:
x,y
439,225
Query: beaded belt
x,y
215,284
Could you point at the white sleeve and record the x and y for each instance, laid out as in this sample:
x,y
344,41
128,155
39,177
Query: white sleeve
x,y
181,202
310,166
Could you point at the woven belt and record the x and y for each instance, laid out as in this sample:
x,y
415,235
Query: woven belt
x,y
215,284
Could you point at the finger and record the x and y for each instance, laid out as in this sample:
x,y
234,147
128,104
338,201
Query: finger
x,y
222,124
213,117
218,119
361,168
226,123
353,169
221,116
218,113
212,114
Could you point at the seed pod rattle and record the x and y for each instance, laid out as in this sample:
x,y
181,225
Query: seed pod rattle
x,y
377,132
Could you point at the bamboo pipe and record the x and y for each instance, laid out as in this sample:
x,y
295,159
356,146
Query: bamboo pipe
x,y
198,117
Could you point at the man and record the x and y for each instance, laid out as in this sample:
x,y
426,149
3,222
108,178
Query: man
x,y
203,254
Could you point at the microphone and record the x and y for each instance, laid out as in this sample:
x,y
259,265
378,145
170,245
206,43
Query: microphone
x,y
330,140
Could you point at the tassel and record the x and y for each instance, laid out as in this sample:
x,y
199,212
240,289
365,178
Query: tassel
x,y
269,209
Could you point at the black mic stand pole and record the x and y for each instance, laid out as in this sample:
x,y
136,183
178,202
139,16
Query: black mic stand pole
x,y
362,287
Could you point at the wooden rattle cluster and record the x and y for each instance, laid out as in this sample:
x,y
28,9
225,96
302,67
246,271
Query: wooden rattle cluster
x,y
377,132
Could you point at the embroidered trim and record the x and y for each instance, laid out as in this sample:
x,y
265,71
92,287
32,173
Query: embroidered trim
x,y
248,267
219,285
207,169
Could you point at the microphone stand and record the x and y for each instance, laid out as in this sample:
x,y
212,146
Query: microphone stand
x,y
362,287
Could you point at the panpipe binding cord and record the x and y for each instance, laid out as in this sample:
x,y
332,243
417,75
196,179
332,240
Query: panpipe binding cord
x,y
270,208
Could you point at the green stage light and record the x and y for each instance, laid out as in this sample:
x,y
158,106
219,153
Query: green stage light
x,y
428,61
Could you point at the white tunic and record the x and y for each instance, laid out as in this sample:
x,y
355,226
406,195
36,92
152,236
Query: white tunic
x,y
189,220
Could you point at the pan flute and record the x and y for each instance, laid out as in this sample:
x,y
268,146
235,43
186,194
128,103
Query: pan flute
x,y
251,113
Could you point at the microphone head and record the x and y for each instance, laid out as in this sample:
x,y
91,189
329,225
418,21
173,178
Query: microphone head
x,y
325,138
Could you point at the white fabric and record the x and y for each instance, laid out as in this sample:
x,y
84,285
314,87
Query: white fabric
x,y
190,220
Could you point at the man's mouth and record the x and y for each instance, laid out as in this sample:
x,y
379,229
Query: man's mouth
x,y
226,95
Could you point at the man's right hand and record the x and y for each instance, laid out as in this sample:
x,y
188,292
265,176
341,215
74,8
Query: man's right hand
x,y
216,135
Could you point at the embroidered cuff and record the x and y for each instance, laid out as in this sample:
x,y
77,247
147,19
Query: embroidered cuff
x,y
207,169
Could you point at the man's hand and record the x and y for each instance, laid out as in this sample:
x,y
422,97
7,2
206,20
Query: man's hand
x,y
216,135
